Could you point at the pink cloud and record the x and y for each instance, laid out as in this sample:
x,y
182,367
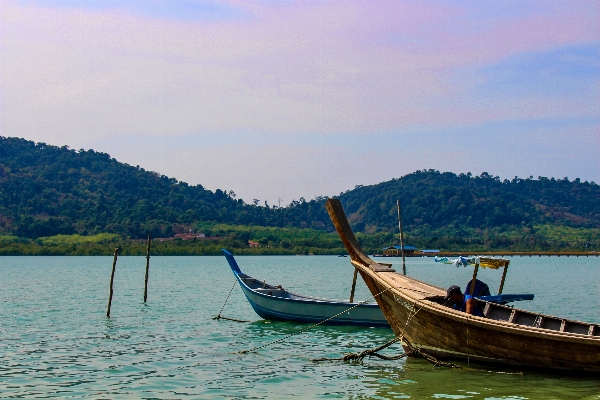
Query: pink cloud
x,y
350,66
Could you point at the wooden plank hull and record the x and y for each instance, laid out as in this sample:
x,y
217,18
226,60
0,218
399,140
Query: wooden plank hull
x,y
507,336
452,335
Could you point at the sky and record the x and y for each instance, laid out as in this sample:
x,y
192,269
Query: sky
x,y
288,99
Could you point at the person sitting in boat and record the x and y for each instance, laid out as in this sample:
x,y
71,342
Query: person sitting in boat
x,y
481,289
462,302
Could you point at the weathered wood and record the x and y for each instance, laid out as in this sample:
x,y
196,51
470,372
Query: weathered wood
x,y
147,268
487,309
453,335
401,237
503,278
112,278
353,285
563,326
474,278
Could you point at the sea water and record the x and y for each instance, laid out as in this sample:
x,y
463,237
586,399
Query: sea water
x,y
55,339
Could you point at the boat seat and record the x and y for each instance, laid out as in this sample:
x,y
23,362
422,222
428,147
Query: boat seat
x,y
272,292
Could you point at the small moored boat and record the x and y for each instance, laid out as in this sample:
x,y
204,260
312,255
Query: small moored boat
x,y
276,303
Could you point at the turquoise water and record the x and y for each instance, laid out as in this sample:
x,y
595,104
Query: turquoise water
x,y
55,340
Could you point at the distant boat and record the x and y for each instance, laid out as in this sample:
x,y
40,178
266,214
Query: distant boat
x,y
276,303
418,314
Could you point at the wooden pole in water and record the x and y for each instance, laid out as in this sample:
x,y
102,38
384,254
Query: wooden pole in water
x,y
112,278
353,284
147,267
401,237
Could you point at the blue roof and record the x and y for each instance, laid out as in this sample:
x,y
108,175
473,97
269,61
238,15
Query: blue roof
x,y
430,251
400,248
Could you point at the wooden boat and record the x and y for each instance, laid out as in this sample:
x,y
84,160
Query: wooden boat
x,y
506,335
276,303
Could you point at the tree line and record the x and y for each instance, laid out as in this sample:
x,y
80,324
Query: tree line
x,y
48,190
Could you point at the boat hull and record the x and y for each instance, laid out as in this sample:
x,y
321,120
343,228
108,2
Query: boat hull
x,y
506,336
275,303
448,336
285,309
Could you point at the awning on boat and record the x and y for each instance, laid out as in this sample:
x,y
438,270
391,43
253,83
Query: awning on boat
x,y
493,263
484,262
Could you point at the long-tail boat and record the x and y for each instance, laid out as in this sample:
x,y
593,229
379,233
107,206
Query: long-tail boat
x,y
504,336
276,303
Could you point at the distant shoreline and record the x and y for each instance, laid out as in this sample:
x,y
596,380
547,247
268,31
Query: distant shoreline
x,y
242,252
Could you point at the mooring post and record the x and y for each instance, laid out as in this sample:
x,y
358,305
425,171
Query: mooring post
x,y
147,267
353,285
401,237
112,278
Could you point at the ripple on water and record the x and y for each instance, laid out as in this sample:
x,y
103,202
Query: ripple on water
x,y
55,340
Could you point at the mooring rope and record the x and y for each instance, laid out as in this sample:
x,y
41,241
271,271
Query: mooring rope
x,y
373,352
312,326
413,350
232,319
222,308
324,321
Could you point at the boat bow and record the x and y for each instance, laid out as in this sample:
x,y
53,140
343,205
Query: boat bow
x,y
505,335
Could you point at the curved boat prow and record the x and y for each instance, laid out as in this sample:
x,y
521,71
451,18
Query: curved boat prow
x,y
338,217
232,263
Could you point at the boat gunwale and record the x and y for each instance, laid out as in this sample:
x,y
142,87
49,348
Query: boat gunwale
x,y
310,299
461,317
340,320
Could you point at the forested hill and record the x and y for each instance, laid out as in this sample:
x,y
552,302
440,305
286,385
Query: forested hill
x,y
448,202
47,190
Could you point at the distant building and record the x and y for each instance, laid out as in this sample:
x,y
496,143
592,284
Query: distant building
x,y
429,252
252,243
182,236
188,236
397,250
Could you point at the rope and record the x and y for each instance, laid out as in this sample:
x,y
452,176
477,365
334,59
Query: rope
x,y
436,363
373,352
222,308
322,322
231,319
310,327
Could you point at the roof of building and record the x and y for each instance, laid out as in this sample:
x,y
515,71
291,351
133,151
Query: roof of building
x,y
430,251
399,248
